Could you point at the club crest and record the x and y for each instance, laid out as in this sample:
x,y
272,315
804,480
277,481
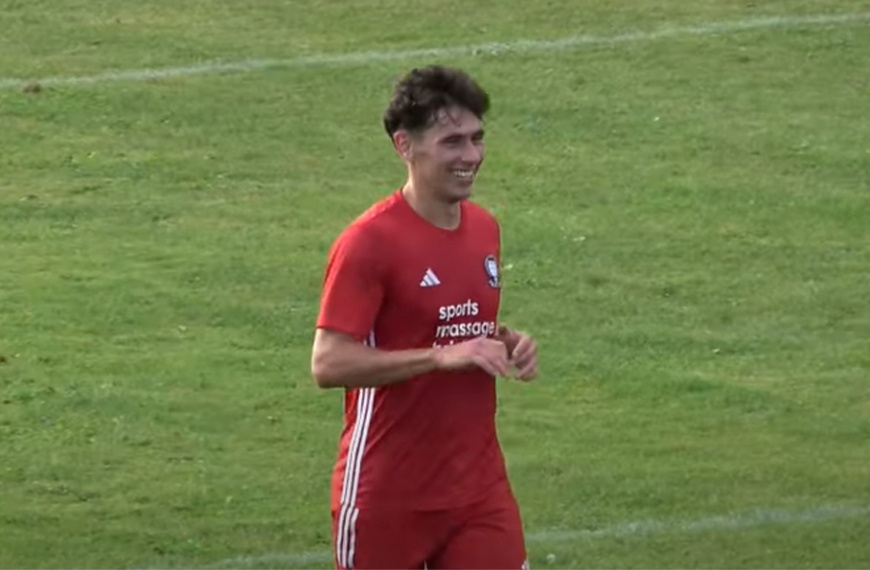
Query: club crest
x,y
490,264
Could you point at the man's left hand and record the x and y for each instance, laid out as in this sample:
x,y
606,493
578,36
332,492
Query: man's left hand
x,y
523,353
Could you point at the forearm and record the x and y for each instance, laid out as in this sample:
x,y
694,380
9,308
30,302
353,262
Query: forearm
x,y
354,365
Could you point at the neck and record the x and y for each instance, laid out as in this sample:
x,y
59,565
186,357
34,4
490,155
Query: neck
x,y
445,215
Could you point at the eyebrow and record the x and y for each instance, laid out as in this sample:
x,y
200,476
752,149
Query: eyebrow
x,y
476,134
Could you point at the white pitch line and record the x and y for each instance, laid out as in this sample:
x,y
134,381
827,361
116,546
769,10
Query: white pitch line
x,y
742,521
493,49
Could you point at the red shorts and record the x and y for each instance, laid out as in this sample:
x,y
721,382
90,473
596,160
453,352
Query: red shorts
x,y
485,534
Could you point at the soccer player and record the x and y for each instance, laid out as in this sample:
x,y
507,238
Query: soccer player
x,y
408,327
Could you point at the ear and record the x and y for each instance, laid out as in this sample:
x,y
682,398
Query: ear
x,y
402,144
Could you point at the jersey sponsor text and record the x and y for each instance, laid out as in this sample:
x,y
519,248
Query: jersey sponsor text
x,y
449,332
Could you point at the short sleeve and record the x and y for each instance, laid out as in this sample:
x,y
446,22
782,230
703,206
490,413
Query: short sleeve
x,y
353,288
497,239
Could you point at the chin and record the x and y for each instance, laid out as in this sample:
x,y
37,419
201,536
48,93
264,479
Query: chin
x,y
452,192
457,194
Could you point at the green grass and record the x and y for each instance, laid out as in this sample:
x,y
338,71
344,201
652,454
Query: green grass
x,y
685,232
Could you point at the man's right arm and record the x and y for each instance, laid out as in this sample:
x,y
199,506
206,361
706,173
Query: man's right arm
x,y
340,361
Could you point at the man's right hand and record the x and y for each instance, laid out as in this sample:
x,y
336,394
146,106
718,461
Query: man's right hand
x,y
489,354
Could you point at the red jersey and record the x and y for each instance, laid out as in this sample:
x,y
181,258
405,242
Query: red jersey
x,y
395,281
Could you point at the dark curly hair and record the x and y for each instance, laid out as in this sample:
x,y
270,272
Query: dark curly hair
x,y
424,92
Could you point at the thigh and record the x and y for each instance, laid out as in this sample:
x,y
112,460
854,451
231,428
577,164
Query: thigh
x,y
379,538
489,534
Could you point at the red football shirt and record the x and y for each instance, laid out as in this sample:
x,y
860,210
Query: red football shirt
x,y
395,281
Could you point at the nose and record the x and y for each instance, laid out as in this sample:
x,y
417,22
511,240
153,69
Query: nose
x,y
472,152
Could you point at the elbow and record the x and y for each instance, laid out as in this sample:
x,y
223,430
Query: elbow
x,y
330,361
323,372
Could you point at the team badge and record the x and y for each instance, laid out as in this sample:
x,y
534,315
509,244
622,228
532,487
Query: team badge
x,y
490,264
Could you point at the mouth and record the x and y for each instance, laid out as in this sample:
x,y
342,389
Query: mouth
x,y
464,175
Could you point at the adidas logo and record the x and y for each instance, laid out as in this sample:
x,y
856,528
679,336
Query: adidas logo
x,y
430,279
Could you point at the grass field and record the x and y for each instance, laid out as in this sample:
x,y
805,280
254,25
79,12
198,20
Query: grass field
x,y
684,190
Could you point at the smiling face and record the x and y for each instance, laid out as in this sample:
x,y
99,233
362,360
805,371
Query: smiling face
x,y
443,159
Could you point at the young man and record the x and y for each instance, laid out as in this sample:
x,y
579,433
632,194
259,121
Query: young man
x,y
408,327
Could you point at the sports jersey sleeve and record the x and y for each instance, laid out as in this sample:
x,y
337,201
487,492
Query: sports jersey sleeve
x,y
498,241
353,286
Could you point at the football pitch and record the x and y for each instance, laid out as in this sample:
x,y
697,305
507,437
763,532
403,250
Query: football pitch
x,y
684,193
